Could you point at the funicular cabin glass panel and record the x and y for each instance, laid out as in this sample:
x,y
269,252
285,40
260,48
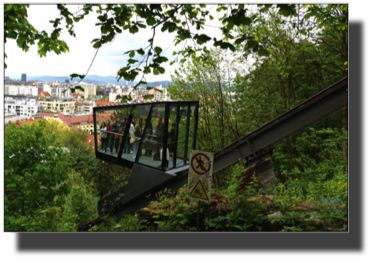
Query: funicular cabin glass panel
x,y
164,132
110,126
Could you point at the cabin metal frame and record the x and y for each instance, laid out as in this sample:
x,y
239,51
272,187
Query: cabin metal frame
x,y
168,104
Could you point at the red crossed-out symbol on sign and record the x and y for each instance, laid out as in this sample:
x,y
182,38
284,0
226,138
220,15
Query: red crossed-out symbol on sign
x,y
197,160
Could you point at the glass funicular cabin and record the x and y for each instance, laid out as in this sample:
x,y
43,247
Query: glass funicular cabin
x,y
167,133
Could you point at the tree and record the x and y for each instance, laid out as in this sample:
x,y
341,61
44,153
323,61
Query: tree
x,y
114,19
80,203
33,170
55,125
296,68
208,83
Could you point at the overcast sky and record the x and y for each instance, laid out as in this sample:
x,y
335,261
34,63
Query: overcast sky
x,y
110,57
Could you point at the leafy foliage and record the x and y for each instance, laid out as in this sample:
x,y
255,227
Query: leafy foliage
x,y
114,19
80,202
280,57
33,170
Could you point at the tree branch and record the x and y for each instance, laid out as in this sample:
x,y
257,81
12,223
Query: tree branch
x,y
167,18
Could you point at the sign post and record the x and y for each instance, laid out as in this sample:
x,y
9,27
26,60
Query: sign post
x,y
200,178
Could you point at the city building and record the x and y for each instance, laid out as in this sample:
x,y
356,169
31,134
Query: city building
x,y
103,103
85,106
45,94
22,105
89,90
55,83
47,88
113,95
67,81
61,104
159,93
23,77
21,90
61,92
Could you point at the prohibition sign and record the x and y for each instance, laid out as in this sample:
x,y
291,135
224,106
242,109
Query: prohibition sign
x,y
200,163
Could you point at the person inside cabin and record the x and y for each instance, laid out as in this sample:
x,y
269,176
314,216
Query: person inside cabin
x,y
122,128
115,136
108,124
123,124
148,133
171,141
137,135
103,136
127,142
160,137
134,124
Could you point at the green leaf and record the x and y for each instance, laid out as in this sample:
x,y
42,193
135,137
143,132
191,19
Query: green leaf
x,y
97,45
132,54
69,21
161,70
158,50
151,21
147,70
141,51
74,75
133,29
79,87
132,61
8,7
149,97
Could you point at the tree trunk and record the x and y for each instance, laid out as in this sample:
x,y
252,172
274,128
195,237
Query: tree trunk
x,y
221,112
290,157
296,154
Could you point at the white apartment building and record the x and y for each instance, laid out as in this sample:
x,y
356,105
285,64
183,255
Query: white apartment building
x,y
55,83
59,92
46,88
115,93
22,105
112,97
18,90
161,96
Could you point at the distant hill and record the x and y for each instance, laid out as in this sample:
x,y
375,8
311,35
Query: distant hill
x,y
95,79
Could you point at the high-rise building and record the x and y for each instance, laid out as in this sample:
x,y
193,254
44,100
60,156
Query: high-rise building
x,y
67,81
89,90
23,77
